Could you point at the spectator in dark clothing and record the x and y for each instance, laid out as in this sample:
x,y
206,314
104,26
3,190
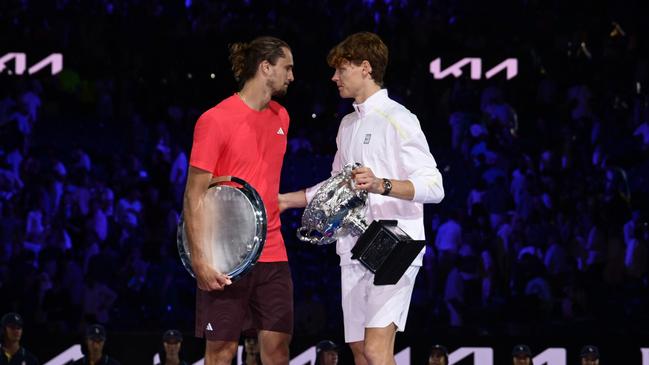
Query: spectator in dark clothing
x,y
94,342
11,352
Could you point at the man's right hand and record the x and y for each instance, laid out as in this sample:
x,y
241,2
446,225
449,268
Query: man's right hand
x,y
208,278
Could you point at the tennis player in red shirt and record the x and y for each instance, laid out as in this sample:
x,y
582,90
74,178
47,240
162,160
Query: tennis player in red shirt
x,y
244,136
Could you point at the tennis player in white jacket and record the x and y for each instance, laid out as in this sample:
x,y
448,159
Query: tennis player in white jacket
x,y
400,174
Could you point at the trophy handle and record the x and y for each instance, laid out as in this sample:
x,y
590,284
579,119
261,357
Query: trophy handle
x,y
304,234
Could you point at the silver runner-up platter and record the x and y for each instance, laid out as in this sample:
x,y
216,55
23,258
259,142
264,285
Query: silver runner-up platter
x,y
234,227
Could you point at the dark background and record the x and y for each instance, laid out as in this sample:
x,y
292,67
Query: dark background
x,y
137,74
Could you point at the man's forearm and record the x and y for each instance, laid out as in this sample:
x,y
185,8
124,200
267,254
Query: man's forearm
x,y
401,189
193,218
296,199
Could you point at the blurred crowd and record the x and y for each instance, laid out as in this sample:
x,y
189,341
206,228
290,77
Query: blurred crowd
x,y
544,224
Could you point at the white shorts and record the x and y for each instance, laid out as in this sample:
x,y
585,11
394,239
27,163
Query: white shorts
x,y
366,305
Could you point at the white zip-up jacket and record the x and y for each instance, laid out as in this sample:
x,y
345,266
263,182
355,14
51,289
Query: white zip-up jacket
x,y
385,136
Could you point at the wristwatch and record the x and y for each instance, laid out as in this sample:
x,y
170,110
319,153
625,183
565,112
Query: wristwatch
x,y
387,186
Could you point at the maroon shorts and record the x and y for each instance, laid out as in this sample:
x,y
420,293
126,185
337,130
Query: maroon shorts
x,y
262,299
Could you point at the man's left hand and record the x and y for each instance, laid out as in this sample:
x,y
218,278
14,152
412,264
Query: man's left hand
x,y
365,179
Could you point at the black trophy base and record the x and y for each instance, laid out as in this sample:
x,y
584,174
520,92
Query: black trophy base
x,y
386,250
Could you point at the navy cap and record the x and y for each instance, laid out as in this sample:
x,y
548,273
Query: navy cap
x,y
12,319
440,348
326,345
589,350
96,332
521,350
172,335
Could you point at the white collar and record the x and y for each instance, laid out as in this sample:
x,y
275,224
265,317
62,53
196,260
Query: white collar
x,y
375,99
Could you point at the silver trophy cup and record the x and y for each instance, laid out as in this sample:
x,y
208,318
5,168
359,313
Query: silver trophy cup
x,y
234,228
336,209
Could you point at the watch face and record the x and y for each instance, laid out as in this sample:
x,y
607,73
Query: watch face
x,y
387,186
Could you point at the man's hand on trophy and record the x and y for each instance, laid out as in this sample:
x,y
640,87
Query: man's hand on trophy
x,y
209,279
365,179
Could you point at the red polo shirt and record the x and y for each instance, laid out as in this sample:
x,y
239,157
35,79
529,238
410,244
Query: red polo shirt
x,y
231,139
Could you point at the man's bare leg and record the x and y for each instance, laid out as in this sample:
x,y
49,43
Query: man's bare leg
x,y
220,352
274,347
379,345
358,351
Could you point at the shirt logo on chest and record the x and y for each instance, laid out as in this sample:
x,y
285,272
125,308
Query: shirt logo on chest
x,y
367,138
280,131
